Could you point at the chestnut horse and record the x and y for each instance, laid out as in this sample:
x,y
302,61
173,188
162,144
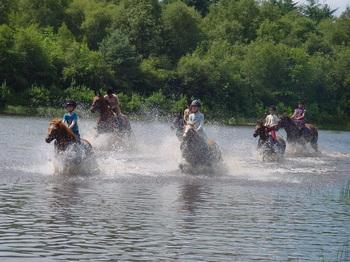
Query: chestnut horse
x,y
108,122
66,141
296,135
269,149
198,152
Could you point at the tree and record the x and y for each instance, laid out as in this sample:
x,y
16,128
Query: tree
x,y
43,12
239,18
120,55
181,29
316,11
141,21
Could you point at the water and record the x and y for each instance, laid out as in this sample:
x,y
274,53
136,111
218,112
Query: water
x,y
140,207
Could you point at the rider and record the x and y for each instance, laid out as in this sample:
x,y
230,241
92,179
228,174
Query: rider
x,y
113,101
299,115
71,118
271,121
196,118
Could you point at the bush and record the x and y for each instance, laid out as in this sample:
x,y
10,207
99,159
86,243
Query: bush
x,y
80,94
135,104
157,101
37,96
179,105
4,94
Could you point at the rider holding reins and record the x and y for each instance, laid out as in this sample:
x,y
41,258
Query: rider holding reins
x,y
70,119
113,101
196,118
299,115
271,121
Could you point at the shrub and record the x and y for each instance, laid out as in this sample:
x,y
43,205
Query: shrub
x,y
135,104
4,94
179,105
81,94
37,96
157,101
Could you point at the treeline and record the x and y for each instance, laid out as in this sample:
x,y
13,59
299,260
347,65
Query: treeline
x,y
238,56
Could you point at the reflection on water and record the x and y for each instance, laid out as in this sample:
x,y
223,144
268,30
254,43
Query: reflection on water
x,y
140,207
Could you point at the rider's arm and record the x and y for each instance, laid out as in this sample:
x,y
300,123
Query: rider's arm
x,y
268,120
201,123
293,116
302,116
74,121
64,120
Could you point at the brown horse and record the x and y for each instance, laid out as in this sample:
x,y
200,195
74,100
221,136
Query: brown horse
x,y
269,149
66,141
108,122
295,135
197,152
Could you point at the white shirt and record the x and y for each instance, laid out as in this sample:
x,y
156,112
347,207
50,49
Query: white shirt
x,y
271,120
197,119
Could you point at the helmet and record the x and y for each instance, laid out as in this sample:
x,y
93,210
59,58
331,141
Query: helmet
x,y
109,91
196,102
71,103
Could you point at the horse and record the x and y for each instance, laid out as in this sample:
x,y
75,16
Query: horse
x,y
302,136
269,149
197,151
108,122
73,150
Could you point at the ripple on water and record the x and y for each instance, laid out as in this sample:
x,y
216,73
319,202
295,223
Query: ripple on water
x,y
140,207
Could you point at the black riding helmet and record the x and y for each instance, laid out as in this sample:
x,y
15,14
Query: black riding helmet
x,y
110,91
196,102
273,108
71,103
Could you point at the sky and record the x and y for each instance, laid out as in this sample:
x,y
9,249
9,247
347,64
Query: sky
x,y
334,4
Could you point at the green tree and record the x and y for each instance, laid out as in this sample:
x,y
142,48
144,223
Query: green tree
x,y
42,12
141,21
181,29
121,57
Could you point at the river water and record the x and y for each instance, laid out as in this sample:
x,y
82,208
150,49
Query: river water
x,y
139,206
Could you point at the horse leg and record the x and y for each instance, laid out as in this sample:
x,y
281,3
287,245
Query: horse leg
x,y
314,140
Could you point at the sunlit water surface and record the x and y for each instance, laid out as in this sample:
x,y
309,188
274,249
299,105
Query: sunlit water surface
x,y
139,206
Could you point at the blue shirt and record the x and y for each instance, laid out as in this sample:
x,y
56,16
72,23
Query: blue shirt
x,y
69,118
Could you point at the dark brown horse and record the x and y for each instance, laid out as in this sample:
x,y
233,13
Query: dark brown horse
x,y
66,141
196,151
295,135
108,122
269,149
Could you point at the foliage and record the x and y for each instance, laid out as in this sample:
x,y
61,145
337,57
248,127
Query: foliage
x,y
237,56
4,94
80,94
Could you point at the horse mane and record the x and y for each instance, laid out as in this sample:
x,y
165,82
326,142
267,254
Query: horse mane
x,y
60,125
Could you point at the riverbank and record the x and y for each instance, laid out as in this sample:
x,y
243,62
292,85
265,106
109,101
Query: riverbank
x,y
58,112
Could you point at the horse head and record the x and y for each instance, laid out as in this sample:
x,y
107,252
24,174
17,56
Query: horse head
x,y
260,130
285,121
53,130
98,103
57,129
189,131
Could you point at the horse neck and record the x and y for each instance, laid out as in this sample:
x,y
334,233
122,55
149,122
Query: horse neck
x,y
64,136
106,112
264,136
290,128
